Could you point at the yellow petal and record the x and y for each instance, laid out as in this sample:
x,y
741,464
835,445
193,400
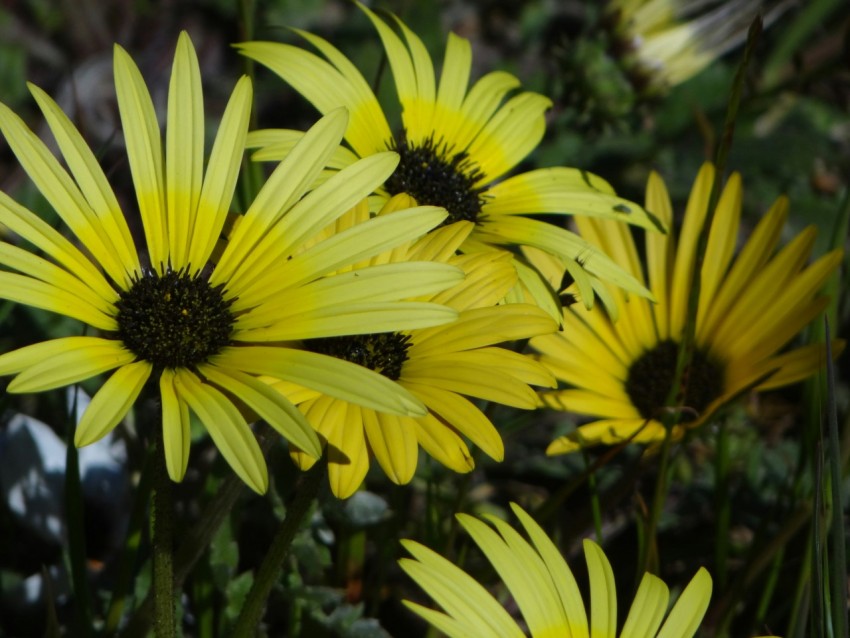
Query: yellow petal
x,y
71,365
479,327
421,107
112,402
268,403
227,427
28,356
36,231
53,181
481,103
660,253
489,277
454,78
463,598
789,304
222,172
327,86
590,402
357,318
328,375
39,294
648,609
749,262
462,415
404,73
346,247
176,435
144,150
91,181
184,151
687,613
722,239
512,133
393,441
575,617
26,262
443,444
286,185
523,231
603,592
306,218
683,269
455,374
341,424
526,575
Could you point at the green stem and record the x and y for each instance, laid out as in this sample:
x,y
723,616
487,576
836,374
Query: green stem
x,y
163,545
649,562
268,574
595,508
197,539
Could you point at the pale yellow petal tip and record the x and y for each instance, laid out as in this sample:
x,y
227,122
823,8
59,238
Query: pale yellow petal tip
x,y
338,116
467,465
86,434
410,546
316,449
497,455
176,469
184,42
302,459
260,488
260,483
121,60
345,483
703,583
411,406
562,445
591,547
176,451
82,438
244,85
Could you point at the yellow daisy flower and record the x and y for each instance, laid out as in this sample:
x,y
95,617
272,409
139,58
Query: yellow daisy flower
x,y
750,308
440,366
545,590
456,146
201,328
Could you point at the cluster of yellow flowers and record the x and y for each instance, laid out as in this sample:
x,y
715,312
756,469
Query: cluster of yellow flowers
x,y
370,292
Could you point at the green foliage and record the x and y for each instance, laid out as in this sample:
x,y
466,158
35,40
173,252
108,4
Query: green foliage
x,y
758,496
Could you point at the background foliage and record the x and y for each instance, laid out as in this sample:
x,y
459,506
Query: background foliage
x,y
743,500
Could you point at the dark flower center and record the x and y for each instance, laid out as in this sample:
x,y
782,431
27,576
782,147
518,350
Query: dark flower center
x,y
384,353
651,377
434,175
174,320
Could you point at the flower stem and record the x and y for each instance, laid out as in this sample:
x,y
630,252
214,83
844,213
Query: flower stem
x,y
163,545
649,562
195,541
269,572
